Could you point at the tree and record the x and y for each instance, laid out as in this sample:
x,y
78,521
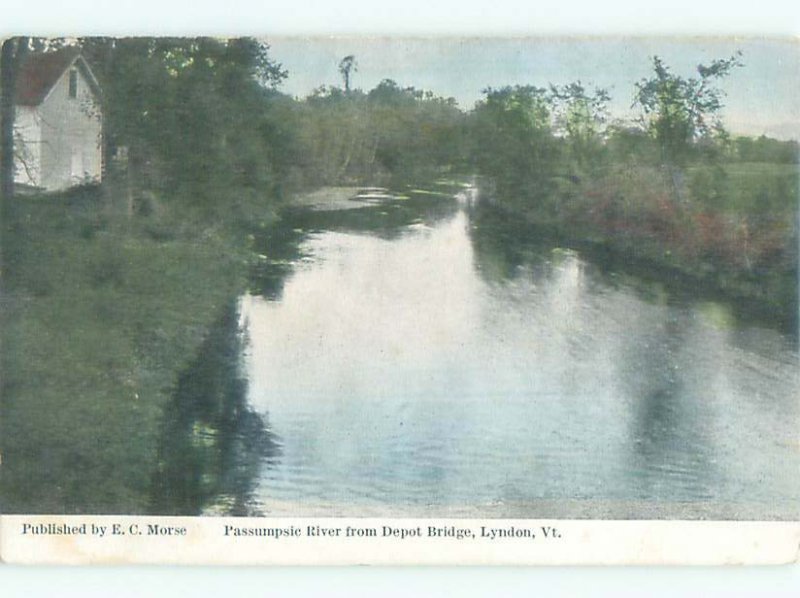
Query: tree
x,y
513,141
390,131
13,53
193,112
580,118
347,66
679,111
414,130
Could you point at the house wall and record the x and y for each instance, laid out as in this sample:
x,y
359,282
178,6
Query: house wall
x,y
27,146
71,148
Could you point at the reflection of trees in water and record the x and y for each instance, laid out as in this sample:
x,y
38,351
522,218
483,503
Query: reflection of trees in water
x,y
214,445
503,241
279,246
505,248
268,278
499,244
670,448
658,377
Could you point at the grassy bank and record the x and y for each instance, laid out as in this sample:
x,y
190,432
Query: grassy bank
x,y
100,315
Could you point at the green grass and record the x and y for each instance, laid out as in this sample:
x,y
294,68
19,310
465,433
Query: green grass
x,y
762,186
99,317
756,188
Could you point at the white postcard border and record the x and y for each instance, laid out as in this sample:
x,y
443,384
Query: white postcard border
x,y
116,540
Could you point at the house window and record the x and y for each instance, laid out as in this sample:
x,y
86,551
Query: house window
x,y
73,83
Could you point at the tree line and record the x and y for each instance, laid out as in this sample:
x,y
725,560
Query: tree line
x,y
203,117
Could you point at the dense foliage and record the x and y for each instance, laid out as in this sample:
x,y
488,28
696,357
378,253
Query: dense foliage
x,y
194,114
672,185
204,120
353,136
201,125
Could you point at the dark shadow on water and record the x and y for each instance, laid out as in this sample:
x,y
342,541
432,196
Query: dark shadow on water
x,y
503,244
214,445
277,248
670,448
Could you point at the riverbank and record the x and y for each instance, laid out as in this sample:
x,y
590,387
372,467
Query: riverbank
x,y
107,316
630,223
107,325
100,315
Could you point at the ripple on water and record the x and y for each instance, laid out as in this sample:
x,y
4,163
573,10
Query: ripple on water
x,y
426,370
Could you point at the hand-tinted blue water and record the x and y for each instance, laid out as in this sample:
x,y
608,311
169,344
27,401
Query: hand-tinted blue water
x,y
415,375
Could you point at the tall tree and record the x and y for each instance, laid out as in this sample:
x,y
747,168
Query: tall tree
x,y
13,52
679,111
347,66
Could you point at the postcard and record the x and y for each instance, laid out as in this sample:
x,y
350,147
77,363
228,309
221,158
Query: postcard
x,y
400,300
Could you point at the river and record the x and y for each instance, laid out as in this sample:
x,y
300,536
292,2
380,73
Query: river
x,y
413,361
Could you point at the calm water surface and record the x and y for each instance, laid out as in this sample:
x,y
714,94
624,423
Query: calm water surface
x,y
424,366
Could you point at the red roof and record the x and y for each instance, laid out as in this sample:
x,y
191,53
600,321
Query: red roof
x,y
39,72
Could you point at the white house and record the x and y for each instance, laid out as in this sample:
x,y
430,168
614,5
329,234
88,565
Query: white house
x,y
58,122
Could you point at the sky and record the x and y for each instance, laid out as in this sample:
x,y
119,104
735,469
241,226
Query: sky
x,y
762,96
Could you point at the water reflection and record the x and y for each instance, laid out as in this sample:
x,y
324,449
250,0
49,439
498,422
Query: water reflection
x,y
214,445
671,457
276,249
451,364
